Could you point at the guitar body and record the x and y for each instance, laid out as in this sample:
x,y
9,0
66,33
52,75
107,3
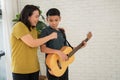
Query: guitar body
x,y
52,62
56,65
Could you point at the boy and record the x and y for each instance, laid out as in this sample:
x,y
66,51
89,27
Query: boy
x,y
54,46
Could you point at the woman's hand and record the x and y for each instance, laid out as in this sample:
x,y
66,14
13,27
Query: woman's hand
x,y
53,35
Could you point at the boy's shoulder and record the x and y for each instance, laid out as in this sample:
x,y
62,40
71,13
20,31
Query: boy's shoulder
x,y
47,30
44,32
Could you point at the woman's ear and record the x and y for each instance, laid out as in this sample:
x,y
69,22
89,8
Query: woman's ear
x,y
47,19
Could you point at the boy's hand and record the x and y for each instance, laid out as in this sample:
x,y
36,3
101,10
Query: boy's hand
x,y
62,55
84,44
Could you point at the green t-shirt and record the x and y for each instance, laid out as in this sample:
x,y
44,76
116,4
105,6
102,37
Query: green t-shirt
x,y
24,58
54,43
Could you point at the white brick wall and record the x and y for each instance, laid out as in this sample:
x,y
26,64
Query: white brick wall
x,y
100,59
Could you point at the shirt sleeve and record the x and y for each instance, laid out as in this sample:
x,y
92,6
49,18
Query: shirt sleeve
x,y
20,30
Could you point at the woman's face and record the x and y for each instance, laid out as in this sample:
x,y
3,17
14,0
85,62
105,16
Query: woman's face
x,y
34,18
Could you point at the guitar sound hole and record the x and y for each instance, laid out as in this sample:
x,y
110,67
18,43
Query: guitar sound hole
x,y
59,64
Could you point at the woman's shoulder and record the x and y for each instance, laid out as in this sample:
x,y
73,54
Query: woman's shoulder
x,y
19,24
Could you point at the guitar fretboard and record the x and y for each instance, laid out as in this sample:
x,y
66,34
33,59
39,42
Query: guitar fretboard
x,y
77,48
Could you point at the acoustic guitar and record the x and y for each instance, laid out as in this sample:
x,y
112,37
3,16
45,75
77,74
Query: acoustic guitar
x,y
56,65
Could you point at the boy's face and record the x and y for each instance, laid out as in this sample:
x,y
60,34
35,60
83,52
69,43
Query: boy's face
x,y
53,21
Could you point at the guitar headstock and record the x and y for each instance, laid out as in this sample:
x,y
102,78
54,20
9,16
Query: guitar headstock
x,y
89,35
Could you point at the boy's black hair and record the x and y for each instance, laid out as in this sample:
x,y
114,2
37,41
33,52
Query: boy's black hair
x,y
53,12
27,12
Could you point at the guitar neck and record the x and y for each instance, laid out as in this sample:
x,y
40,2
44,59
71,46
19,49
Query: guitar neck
x,y
77,48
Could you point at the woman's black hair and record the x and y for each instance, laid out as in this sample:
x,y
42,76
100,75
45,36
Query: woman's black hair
x,y
53,12
27,12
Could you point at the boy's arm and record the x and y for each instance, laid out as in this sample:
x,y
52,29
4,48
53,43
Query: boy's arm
x,y
47,50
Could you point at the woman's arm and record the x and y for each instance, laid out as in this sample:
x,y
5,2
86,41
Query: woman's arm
x,y
30,41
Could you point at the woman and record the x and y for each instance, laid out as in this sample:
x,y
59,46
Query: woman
x,y
24,43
